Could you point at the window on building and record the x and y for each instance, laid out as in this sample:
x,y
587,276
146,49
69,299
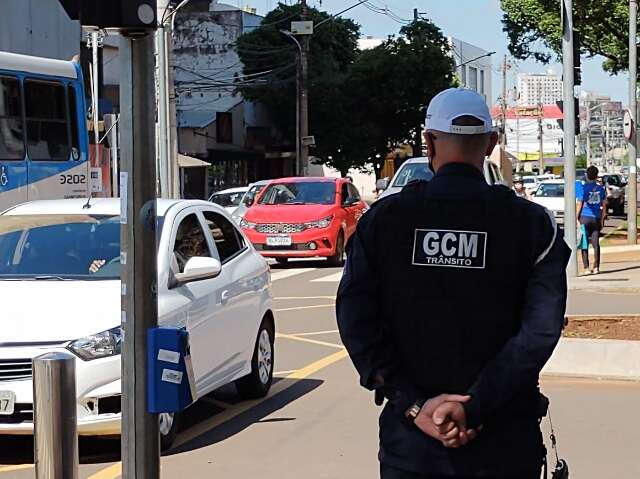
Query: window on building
x,y
463,75
224,127
11,126
482,88
47,120
473,78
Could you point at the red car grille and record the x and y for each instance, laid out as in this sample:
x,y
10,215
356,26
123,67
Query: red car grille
x,y
276,228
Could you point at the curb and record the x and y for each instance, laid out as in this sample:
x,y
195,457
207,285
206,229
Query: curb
x,y
620,249
601,317
595,358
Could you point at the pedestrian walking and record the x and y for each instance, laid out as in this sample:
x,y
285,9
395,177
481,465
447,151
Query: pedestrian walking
x,y
592,213
519,189
452,300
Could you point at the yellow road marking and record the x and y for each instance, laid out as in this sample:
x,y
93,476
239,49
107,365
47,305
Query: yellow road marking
x,y
317,333
290,298
305,307
110,472
17,467
282,385
284,373
307,340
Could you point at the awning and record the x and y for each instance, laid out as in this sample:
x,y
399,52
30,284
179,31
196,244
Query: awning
x,y
185,161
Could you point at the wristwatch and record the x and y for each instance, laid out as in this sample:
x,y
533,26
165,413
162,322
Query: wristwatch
x,y
412,413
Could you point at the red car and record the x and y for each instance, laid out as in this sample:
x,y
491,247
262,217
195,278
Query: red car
x,y
304,218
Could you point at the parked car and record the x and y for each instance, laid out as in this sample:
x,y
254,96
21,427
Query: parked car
x,y
550,194
304,218
530,183
60,289
418,169
229,199
249,199
615,193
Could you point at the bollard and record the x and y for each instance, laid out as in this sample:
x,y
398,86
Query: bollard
x,y
55,439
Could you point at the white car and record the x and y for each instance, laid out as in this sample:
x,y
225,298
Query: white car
x,y
60,290
248,199
550,194
229,199
418,169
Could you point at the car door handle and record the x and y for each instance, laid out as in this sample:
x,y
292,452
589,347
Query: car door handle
x,y
224,297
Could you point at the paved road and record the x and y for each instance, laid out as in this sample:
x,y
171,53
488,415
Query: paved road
x,y
318,423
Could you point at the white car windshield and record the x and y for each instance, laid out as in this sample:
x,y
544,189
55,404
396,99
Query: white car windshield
x,y
412,171
227,199
550,190
59,247
300,193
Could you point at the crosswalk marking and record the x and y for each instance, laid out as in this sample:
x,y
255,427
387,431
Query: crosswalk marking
x,y
332,278
288,273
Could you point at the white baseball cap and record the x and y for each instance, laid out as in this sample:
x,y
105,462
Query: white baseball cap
x,y
453,103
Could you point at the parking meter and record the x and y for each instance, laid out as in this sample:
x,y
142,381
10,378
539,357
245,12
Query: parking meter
x,y
170,381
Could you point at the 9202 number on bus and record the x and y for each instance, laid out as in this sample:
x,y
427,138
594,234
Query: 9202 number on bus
x,y
73,179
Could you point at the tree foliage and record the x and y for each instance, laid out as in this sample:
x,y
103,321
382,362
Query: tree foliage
x,y
361,103
535,32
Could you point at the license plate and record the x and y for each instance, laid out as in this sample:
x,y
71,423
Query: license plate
x,y
7,402
279,241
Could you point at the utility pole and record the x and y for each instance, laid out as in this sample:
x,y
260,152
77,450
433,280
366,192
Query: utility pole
x,y
503,136
541,139
632,232
416,14
569,135
163,103
140,437
303,161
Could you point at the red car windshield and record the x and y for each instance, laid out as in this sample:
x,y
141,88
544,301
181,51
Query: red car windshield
x,y
302,193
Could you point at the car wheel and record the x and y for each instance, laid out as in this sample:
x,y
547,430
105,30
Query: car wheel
x,y
282,260
168,423
337,259
257,383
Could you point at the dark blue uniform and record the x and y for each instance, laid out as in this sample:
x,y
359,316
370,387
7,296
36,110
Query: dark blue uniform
x,y
454,286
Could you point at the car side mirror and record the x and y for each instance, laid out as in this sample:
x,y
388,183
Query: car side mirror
x,y
198,268
382,184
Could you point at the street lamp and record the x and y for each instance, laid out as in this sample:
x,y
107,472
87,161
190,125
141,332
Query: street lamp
x,y
299,165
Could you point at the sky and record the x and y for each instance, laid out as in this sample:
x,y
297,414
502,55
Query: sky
x,y
474,21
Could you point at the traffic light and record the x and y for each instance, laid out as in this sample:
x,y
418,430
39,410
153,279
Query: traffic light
x,y
576,107
125,15
577,64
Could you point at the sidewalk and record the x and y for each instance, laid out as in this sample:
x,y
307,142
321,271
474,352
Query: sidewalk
x,y
613,293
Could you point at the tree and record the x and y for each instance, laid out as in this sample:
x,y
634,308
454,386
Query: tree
x,y
392,84
270,62
534,30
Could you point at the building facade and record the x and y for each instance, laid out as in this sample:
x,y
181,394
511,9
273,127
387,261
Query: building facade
x,y
539,88
215,123
474,68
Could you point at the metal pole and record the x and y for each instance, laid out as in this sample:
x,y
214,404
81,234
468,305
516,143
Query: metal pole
x,y
588,133
299,169
54,401
163,110
111,125
569,137
94,108
503,104
140,439
632,192
541,135
304,95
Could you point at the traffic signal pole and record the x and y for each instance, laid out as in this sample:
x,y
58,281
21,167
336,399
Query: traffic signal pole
x,y
140,437
632,187
570,229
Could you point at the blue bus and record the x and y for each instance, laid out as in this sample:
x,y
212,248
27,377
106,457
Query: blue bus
x,y
44,146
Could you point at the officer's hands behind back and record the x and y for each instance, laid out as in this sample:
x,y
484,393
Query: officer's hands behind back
x,y
443,418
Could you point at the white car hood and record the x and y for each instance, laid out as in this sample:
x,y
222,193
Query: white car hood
x,y
49,310
552,204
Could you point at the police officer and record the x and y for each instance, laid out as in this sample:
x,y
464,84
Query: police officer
x,y
449,316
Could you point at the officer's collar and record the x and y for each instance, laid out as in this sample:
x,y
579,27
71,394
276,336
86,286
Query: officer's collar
x,y
460,169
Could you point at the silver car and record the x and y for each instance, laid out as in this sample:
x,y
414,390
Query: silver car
x,y
418,169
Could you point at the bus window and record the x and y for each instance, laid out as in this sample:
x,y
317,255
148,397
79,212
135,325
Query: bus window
x,y
11,127
73,122
46,113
